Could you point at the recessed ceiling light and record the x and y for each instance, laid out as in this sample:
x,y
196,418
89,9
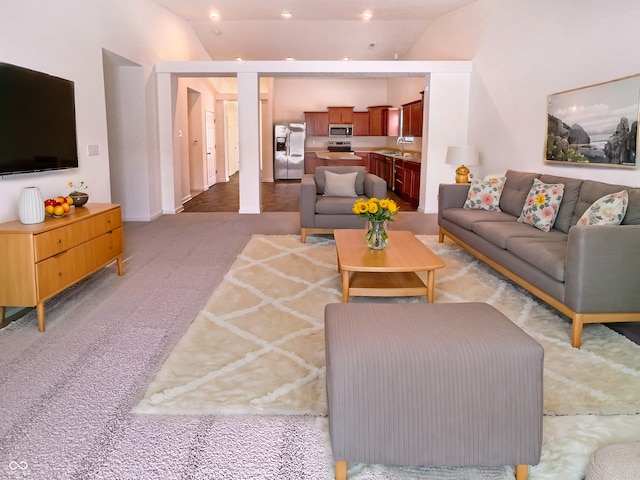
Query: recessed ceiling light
x,y
215,15
238,59
286,14
367,14
290,58
346,58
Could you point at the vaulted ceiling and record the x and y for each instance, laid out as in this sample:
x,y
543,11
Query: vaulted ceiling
x,y
316,30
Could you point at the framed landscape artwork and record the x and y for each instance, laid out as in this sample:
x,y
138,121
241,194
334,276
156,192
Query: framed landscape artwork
x,y
595,125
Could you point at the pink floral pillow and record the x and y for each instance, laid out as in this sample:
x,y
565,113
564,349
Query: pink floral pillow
x,y
607,210
485,194
542,204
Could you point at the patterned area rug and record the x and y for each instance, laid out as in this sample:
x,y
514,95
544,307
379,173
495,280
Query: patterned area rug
x,y
257,346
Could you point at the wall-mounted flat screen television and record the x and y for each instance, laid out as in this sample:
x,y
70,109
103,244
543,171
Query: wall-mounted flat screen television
x,y
37,121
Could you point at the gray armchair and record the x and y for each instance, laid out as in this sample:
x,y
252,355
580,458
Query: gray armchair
x,y
320,213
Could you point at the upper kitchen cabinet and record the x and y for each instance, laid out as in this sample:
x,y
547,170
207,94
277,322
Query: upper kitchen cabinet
x,y
412,119
361,124
341,115
317,123
384,120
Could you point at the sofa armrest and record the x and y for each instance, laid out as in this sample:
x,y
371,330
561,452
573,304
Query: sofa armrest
x,y
602,269
374,186
451,195
307,201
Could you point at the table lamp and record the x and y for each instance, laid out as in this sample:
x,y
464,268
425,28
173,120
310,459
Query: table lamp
x,y
462,156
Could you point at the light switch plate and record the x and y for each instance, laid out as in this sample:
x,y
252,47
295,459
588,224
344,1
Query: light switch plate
x,y
93,150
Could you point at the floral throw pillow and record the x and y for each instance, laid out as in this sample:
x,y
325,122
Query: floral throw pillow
x,y
542,204
485,194
607,210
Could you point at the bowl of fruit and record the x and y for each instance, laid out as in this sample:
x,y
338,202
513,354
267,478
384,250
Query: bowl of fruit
x,y
58,207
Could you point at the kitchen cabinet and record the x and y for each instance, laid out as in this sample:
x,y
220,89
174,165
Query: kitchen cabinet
x,y
41,260
382,166
412,119
365,160
317,124
407,180
384,121
311,161
360,124
341,115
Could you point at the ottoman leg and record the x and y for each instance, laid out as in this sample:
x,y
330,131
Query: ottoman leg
x,y
522,472
341,470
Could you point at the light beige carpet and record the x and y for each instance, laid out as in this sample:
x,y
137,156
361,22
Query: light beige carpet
x,y
258,345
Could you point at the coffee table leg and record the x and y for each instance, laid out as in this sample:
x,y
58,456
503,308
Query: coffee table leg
x,y
345,286
431,280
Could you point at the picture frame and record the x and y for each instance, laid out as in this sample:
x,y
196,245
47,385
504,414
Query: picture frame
x,y
595,125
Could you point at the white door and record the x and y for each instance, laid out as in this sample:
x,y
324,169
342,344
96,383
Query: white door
x,y
231,121
210,133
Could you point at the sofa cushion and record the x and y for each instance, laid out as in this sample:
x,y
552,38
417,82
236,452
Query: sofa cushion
x,y
499,232
466,217
592,191
340,184
607,210
569,199
335,205
318,176
515,191
542,204
546,254
485,194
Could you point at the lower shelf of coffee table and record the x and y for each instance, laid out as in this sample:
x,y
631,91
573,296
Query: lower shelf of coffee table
x,y
386,284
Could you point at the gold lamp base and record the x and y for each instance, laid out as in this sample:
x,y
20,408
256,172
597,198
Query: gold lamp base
x,y
462,174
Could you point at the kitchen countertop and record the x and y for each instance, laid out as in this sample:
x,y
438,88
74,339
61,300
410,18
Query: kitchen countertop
x,y
337,155
410,156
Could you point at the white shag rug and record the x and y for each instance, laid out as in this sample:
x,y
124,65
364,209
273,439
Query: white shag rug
x,y
257,347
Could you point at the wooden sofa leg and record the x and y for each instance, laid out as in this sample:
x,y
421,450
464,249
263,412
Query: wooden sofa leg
x,y
303,235
440,236
576,329
341,470
522,472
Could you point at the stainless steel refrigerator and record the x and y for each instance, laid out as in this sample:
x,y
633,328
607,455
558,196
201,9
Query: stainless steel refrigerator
x,y
288,158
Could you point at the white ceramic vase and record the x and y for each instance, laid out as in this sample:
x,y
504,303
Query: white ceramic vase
x,y
31,206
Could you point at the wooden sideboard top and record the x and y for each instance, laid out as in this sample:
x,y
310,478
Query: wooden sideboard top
x,y
76,214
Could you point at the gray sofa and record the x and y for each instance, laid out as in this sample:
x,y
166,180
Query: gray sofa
x,y
589,273
320,213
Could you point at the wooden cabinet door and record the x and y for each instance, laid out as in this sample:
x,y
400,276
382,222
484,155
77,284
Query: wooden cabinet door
x,y
412,119
366,161
360,124
341,115
310,162
317,124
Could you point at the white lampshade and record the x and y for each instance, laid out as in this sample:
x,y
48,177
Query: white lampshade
x,y
462,155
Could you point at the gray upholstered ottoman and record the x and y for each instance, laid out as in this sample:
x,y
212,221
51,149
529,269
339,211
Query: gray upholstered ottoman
x,y
432,385
619,461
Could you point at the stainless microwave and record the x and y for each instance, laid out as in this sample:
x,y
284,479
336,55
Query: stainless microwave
x,y
340,130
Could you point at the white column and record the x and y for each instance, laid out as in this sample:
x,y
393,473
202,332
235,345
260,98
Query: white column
x,y
446,122
169,163
249,142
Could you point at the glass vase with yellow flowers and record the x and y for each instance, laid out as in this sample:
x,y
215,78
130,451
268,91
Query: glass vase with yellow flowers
x,y
377,212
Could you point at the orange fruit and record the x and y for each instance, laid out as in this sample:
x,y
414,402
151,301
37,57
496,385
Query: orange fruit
x,y
58,211
65,206
69,200
49,209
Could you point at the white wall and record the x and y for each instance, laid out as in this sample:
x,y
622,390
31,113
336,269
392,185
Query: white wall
x,y
66,38
293,96
524,51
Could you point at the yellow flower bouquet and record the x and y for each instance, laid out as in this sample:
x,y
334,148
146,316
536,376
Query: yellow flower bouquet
x,y
377,211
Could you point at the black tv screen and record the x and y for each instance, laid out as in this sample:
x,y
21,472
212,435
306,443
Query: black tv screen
x,y
37,121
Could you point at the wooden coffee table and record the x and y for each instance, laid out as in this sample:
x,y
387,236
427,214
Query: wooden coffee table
x,y
391,272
